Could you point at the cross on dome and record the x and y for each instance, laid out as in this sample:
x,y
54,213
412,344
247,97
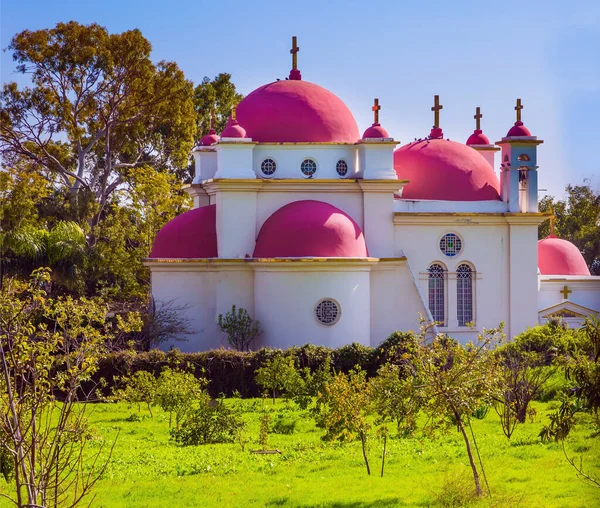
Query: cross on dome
x,y
552,219
478,116
233,111
436,132
518,109
295,73
376,107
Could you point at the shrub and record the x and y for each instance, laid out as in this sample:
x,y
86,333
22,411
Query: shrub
x,y
285,423
279,374
177,393
240,328
140,388
209,423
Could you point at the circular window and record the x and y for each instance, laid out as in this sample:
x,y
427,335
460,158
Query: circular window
x,y
328,312
308,167
268,167
451,245
342,168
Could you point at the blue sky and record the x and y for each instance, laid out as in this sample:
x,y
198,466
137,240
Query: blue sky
x,y
470,53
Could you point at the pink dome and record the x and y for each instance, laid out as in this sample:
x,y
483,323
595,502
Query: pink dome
x,y
233,129
375,131
296,111
439,169
560,257
192,234
210,139
310,229
478,138
518,129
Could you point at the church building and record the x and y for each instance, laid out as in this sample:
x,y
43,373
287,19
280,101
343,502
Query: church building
x,y
327,236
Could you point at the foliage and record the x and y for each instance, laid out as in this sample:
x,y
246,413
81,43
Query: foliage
x,y
577,220
140,388
208,423
285,423
164,322
584,369
240,328
216,97
177,393
345,406
47,347
278,374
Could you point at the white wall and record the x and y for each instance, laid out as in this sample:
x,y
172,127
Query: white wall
x,y
289,158
585,291
285,306
236,224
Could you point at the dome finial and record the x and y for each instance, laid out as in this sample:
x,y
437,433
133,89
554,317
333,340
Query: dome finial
x,y
233,111
518,109
376,107
478,116
436,132
295,73
552,219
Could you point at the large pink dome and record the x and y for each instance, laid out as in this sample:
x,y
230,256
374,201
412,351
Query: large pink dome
x,y
296,111
560,257
192,234
310,229
439,169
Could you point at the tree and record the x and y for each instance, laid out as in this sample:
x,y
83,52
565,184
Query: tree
x,y
458,380
240,328
177,393
48,347
217,96
97,106
577,220
277,374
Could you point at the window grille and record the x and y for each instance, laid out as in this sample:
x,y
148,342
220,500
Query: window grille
x,y
437,300
327,312
268,167
464,295
342,168
451,245
308,167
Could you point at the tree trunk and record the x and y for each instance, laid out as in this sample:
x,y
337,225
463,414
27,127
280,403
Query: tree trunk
x,y
470,454
383,456
363,440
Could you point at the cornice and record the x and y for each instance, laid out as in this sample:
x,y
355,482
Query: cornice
x,y
520,140
469,218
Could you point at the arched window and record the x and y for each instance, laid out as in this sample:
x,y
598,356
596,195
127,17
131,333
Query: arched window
x,y
437,299
523,157
464,294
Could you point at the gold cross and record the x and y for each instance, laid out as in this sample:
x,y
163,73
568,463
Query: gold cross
x,y
478,116
566,292
233,112
518,109
436,109
376,107
552,218
294,52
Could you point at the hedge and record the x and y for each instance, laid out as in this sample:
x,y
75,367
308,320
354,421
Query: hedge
x,y
232,371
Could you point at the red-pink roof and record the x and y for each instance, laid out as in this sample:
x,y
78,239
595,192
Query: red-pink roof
x,y
375,131
560,257
310,229
192,234
233,129
518,129
439,169
210,139
478,138
296,111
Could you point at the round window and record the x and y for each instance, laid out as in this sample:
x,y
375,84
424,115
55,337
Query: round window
x,y
451,245
342,168
328,312
308,167
268,167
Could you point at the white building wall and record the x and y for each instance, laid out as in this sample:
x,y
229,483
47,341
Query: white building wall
x,y
285,306
289,158
585,291
484,247
236,224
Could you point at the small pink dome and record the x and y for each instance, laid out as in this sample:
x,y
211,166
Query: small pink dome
x,y
518,129
296,111
210,139
193,234
310,229
560,257
233,129
375,131
478,138
439,169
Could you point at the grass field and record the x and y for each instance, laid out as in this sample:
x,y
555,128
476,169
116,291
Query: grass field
x,y
149,470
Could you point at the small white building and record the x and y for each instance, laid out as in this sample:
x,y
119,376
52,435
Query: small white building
x,y
329,237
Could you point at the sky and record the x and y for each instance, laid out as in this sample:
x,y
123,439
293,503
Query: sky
x,y
470,53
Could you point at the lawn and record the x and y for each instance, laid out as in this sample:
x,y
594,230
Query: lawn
x,y
149,470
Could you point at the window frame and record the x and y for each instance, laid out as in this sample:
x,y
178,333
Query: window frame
x,y
312,175
465,305
347,168
444,291
264,175
338,316
460,239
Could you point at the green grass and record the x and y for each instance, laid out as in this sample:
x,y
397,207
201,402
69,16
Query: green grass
x,y
149,470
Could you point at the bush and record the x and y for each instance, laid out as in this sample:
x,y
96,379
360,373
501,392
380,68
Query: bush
x,y
240,328
178,391
140,388
284,423
209,423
